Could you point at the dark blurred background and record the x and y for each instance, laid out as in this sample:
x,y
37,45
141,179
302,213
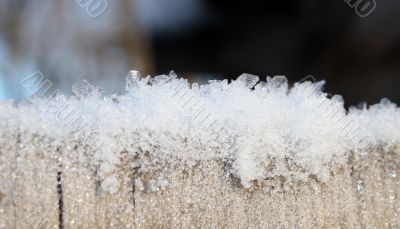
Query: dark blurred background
x,y
359,57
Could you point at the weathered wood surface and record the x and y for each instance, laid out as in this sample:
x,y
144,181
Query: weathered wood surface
x,y
60,190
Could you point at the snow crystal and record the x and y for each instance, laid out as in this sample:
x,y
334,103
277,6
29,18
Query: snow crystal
x,y
259,129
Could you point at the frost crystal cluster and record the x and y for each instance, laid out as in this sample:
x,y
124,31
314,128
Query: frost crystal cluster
x,y
219,142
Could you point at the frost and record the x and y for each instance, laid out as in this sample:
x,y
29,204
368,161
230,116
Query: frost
x,y
110,184
381,121
258,129
84,89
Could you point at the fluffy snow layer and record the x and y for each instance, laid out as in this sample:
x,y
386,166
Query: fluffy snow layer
x,y
259,129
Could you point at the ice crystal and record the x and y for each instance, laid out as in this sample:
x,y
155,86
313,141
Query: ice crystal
x,y
262,129
166,153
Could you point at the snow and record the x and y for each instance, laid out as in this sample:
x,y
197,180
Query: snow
x,y
262,129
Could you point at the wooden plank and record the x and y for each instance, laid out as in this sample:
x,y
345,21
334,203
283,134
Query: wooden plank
x,y
174,193
8,151
78,188
34,188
